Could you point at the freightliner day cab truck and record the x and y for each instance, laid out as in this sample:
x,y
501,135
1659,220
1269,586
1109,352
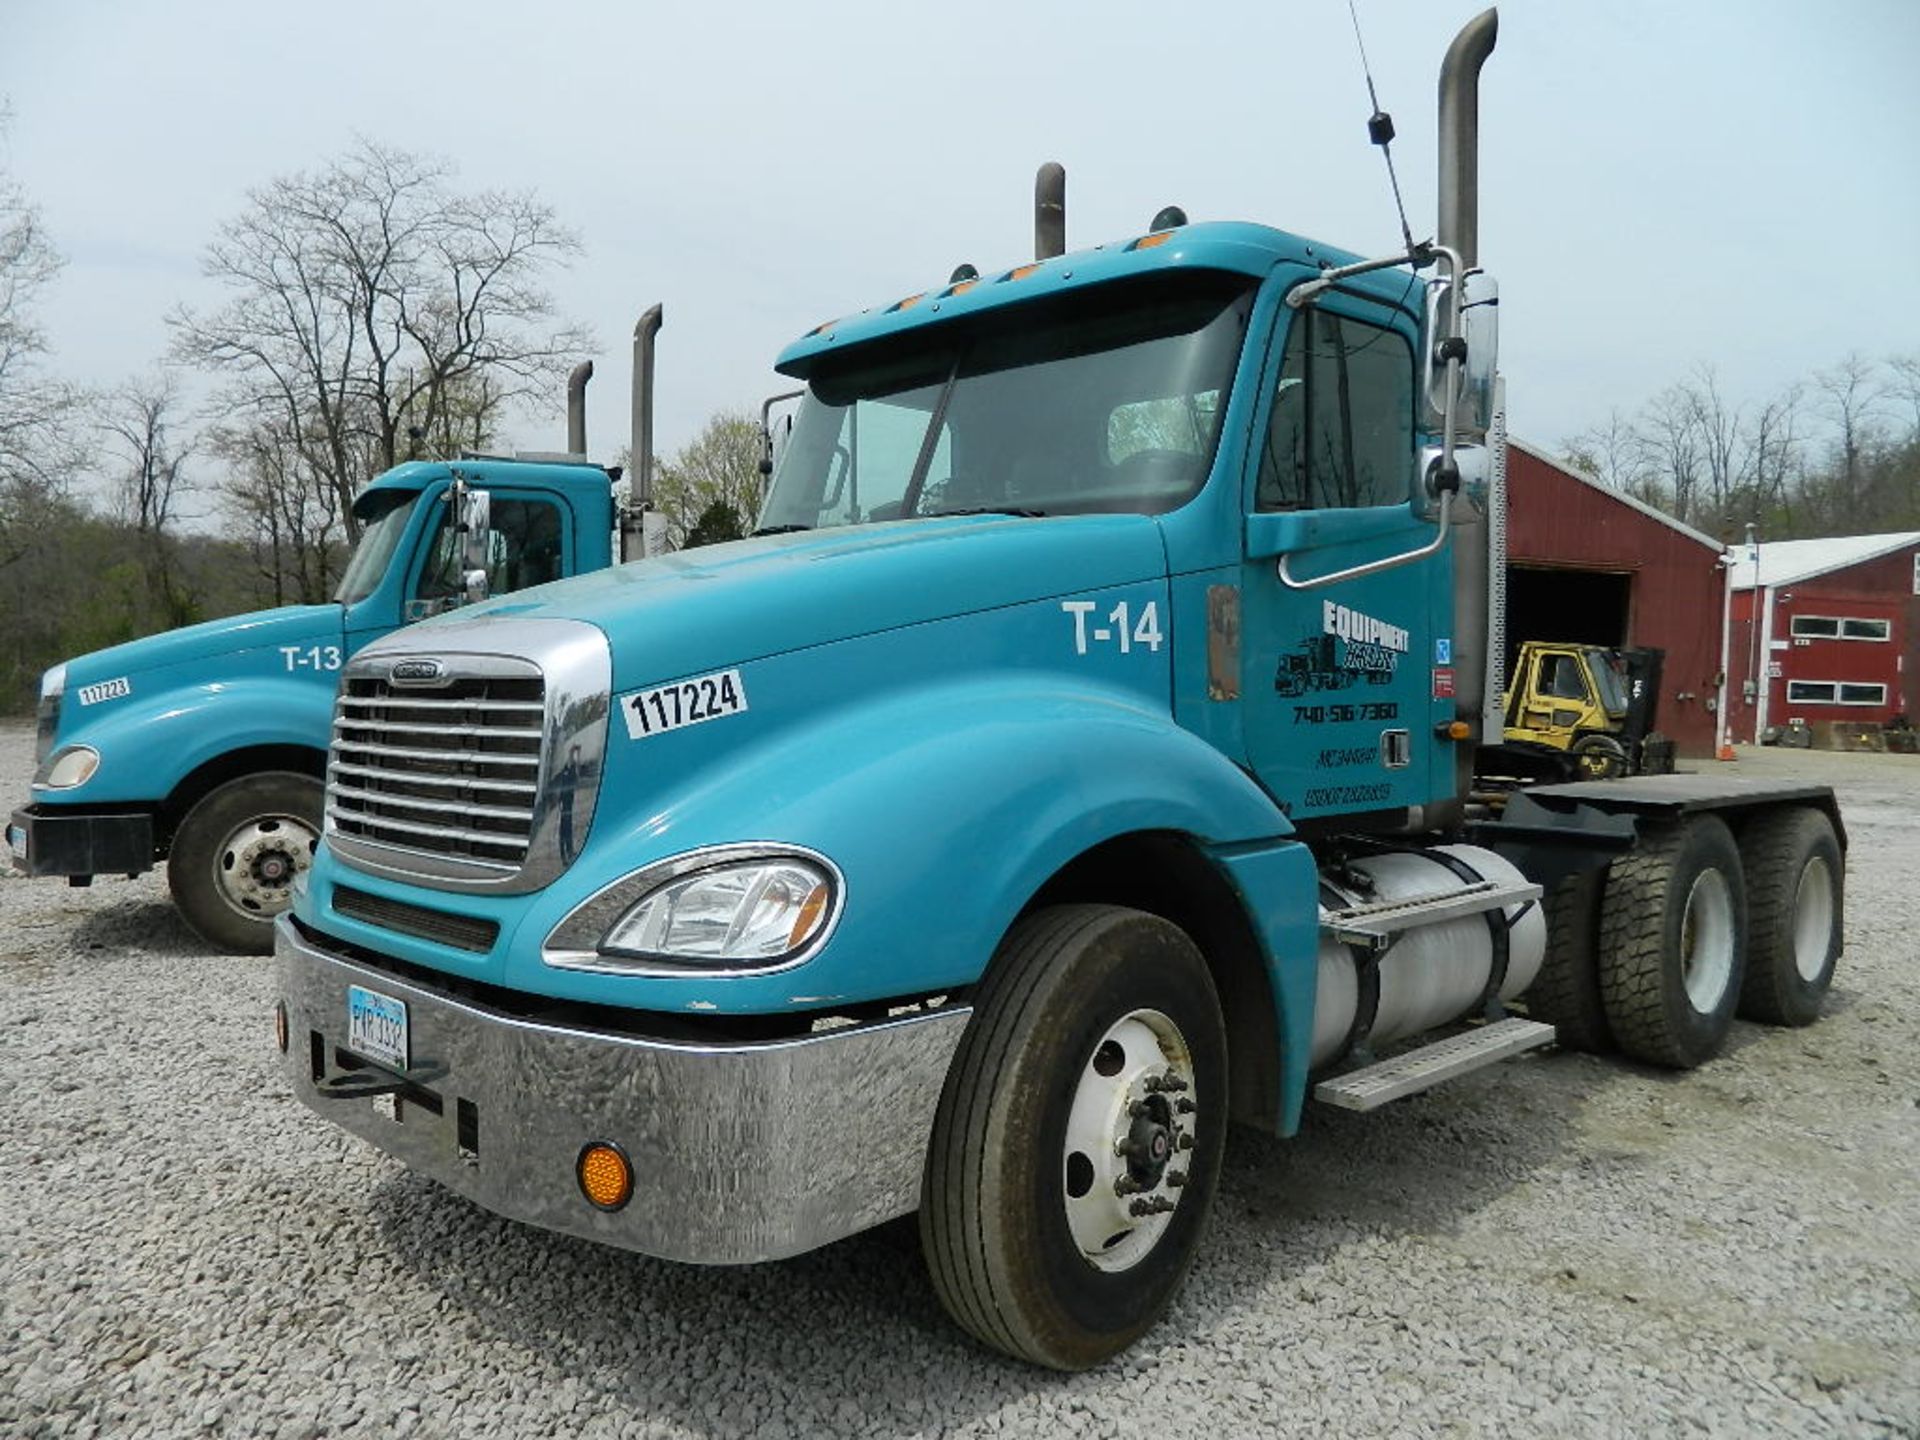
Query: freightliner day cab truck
x,y
206,746
967,842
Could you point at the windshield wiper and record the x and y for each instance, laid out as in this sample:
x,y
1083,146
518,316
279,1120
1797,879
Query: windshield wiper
x,y
988,510
780,529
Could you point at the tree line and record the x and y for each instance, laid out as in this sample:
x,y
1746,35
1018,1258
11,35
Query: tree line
x,y
1837,453
370,312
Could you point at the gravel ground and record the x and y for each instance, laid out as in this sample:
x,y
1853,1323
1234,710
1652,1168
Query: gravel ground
x,y
1556,1246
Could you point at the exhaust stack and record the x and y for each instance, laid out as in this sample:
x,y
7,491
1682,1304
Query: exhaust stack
x,y
577,407
642,528
1050,211
1459,230
1459,227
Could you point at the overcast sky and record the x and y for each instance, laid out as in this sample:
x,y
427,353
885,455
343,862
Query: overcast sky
x,y
1725,181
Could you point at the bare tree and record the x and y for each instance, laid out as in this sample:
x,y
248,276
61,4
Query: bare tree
x,y
1850,395
1773,457
138,420
370,300
1615,453
1669,431
37,449
287,515
1718,436
720,465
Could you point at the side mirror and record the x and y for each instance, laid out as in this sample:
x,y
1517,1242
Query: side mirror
x,y
472,517
1480,324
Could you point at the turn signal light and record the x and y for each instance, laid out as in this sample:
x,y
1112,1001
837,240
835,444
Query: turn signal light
x,y
1454,730
605,1176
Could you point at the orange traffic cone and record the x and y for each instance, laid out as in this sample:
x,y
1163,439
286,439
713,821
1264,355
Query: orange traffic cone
x,y
1726,753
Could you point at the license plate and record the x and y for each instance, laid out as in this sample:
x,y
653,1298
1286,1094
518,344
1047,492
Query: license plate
x,y
17,842
377,1027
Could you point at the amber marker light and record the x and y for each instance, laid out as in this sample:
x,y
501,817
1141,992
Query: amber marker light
x,y
1021,272
808,919
1454,730
910,301
605,1177
1147,242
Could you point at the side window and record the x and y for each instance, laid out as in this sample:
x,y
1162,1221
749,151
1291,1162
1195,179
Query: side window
x,y
523,548
1341,432
1560,677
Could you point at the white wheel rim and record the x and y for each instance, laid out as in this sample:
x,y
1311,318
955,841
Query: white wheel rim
x,y
256,865
1130,1136
1813,919
1706,941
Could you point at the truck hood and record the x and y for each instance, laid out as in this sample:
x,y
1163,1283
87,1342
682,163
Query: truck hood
x,y
290,625
699,610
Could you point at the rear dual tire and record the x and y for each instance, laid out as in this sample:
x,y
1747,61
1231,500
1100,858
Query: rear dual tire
x,y
1795,902
1673,942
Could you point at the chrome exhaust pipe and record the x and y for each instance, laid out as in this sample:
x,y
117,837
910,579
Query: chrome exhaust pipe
x,y
577,407
1050,211
642,457
1459,230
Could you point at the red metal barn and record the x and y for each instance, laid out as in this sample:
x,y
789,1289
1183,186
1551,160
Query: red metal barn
x,y
1588,563
1838,631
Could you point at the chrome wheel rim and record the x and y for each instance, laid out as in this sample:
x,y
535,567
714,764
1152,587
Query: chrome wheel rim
x,y
1130,1138
255,866
1813,919
1706,941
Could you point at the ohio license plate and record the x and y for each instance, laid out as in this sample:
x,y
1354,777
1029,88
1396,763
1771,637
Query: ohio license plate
x,y
377,1027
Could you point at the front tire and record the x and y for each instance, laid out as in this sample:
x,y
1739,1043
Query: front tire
x,y
1673,941
1598,757
1077,1145
1795,907
236,855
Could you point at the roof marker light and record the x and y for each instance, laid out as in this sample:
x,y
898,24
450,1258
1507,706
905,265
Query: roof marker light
x,y
1148,242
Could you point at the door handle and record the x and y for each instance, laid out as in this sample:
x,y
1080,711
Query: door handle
x,y
1354,572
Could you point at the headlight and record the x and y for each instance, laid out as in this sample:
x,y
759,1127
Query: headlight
x,y
53,685
69,767
730,907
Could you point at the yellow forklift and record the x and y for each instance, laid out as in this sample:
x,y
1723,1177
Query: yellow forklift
x,y
1581,712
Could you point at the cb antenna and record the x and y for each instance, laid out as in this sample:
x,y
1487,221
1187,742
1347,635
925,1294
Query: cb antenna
x,y
1380,128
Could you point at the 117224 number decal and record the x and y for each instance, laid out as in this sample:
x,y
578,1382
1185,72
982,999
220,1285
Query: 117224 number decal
x,y
686,702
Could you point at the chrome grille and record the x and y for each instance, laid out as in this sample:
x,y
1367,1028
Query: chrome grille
x,y
452,771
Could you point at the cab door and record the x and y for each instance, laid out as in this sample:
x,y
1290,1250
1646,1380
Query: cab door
x,y
1342,680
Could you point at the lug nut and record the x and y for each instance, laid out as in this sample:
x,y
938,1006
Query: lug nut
x,y
1176,1178
1154,1205
1185,1142
1127,1185
1185,1107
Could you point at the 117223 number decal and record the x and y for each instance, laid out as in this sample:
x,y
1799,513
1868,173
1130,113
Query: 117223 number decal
x,y
686,702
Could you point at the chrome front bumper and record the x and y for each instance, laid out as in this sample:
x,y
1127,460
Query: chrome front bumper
x,y
740,1152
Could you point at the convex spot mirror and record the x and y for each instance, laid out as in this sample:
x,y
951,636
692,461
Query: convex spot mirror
x,y
1480,321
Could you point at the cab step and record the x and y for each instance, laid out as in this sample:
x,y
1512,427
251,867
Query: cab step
x,y
1375,925
1416,1070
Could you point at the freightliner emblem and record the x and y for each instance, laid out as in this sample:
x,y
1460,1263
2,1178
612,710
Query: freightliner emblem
x,y
418,672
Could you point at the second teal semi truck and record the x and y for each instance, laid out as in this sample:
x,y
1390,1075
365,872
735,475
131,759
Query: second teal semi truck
x,y
205,747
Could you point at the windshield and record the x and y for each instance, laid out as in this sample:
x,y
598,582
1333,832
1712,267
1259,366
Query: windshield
x,y
1609,680
1107,400
383,520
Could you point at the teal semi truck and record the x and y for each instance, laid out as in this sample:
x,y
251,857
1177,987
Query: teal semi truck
x,y
206,746
961,844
